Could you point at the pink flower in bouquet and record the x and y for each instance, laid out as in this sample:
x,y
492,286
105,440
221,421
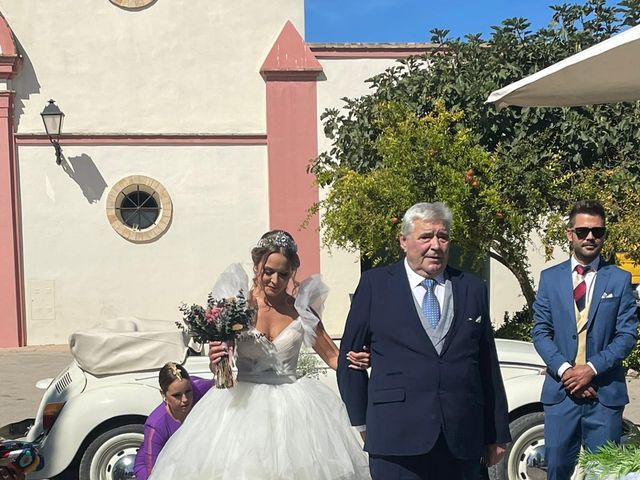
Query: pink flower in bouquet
x,y
212,314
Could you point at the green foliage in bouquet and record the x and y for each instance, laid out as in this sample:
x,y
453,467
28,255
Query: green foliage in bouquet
x,y
222,319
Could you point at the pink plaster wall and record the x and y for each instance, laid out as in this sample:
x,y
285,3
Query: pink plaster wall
x,y
11,307
12,332
7,45
291,144
291,71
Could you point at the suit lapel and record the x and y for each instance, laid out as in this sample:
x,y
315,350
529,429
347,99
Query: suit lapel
x,y
400,293
565,286
602,280
459,291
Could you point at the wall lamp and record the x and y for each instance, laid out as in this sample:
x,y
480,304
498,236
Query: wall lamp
x,y
52,118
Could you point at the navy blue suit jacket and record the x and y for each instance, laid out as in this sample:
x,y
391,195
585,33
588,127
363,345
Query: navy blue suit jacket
x,y
414,393
611,330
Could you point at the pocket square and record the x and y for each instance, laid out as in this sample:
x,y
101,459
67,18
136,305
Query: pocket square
x,y
477,320
607,295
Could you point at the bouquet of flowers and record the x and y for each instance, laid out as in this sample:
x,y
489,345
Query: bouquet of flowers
x,y
223,319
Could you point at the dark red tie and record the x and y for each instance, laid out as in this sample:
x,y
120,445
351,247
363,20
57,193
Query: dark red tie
x,y
580,290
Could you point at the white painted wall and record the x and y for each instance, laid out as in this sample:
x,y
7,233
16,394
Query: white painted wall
x,y
505,292
219,197
341,269
177,66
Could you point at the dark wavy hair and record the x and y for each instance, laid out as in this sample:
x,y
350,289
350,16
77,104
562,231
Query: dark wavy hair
x,y
587,207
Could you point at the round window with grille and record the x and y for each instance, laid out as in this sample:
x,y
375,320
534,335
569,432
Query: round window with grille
x,y
139,208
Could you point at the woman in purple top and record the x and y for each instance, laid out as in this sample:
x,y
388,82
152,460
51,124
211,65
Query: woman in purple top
x,y
179,393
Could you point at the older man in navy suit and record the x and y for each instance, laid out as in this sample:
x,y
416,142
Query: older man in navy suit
x,y
585,325
435,402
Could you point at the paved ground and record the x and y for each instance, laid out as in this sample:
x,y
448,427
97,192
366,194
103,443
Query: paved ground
x,y
632,411
22,367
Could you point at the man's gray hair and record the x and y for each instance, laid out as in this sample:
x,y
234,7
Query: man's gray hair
x,y
431,212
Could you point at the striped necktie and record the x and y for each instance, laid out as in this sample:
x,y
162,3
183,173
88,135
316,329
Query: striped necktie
x,y
580,290
430,305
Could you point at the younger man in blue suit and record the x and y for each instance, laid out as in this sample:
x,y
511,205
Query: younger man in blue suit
x,y
584,326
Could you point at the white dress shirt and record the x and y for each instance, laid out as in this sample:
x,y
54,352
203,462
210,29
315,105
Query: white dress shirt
x,y
415,281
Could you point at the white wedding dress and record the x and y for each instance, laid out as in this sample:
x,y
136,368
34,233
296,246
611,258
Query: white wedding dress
x,y
270,426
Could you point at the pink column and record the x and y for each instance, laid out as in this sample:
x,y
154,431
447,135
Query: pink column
x,y
12,332
291,73
11,291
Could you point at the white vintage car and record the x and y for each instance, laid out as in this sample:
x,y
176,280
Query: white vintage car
x,y
89,423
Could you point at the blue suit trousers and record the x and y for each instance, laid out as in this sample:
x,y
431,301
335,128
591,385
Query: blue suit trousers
x,y
573,423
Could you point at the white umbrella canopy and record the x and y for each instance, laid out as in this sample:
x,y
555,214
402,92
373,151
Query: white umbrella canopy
x,y
607,72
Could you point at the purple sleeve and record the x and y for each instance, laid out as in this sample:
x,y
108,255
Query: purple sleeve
x,y
200,387
148,452
156,434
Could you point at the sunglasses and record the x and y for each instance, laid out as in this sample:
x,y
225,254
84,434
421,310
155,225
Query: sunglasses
x,y
583,232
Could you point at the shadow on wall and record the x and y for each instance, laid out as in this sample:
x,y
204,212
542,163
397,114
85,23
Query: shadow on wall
x,y
84,172
25,83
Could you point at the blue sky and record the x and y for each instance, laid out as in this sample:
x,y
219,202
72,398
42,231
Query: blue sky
x,y
411,20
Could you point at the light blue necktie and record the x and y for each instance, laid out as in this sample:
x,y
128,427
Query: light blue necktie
x,y
430,305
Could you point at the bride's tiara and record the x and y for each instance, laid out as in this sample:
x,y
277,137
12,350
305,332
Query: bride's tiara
x,y
280,240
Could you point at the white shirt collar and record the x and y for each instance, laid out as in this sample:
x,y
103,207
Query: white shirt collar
x,y
415,279
593,265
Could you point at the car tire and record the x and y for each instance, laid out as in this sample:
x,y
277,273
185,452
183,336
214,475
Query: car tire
x,y
111,454
527,434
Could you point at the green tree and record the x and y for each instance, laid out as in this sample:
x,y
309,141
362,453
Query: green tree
x,y
432,158
529,164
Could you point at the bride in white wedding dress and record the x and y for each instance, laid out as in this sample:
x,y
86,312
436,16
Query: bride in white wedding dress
x,y
271,426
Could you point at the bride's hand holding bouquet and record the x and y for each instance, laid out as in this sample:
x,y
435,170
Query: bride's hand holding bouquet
x,y
220,323
219,350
